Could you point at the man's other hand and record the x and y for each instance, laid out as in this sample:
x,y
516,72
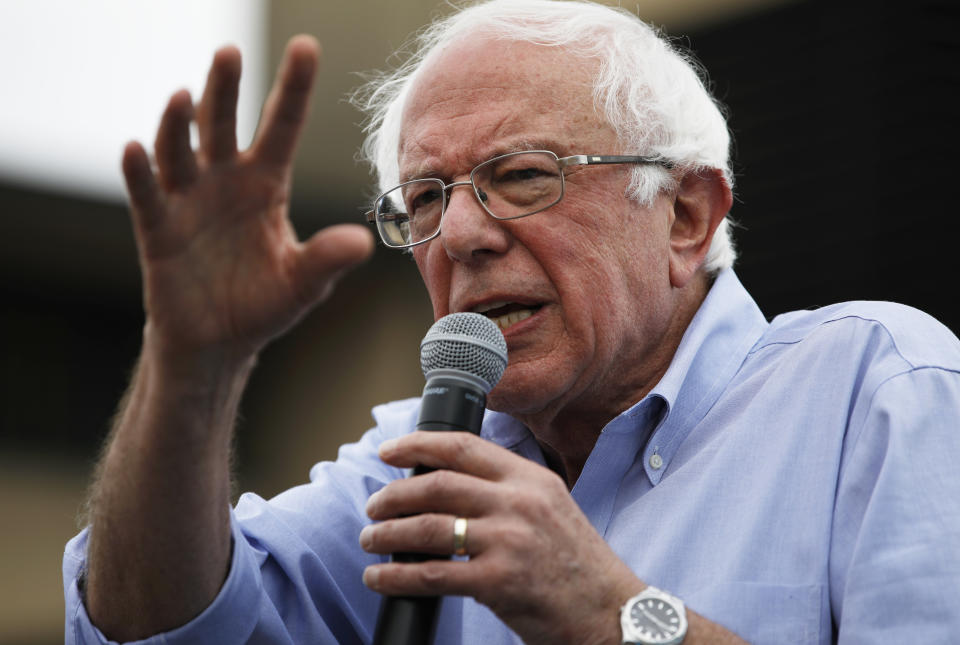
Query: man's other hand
x,y
222,267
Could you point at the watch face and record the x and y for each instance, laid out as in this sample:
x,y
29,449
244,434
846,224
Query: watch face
x,y
655,620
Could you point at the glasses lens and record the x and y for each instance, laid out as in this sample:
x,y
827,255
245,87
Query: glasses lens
x,y
519,184
410,213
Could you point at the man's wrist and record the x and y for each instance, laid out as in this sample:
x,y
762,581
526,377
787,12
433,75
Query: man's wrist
x,y
211,364
204,378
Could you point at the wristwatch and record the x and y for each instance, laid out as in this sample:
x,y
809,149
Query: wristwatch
x,y
653,617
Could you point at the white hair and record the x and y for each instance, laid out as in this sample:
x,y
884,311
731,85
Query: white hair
x,y
652,94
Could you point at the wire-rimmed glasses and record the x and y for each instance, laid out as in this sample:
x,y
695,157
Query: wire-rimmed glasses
x,y
508,187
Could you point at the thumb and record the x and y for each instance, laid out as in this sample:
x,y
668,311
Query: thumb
x,y
326,256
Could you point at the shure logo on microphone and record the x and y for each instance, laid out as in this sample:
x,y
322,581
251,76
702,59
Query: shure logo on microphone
x,y
432,391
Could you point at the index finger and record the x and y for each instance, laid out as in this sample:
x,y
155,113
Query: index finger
x,y
460,451
217,112
285,111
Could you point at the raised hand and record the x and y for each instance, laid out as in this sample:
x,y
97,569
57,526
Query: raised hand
x,y
223,273
222,267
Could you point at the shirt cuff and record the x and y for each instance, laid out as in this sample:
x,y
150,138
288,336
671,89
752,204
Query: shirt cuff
x,y
230,618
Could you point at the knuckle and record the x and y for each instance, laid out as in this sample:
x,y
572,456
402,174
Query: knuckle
x,y
442,479
437,483
459,449
432,532
527,503
553,484
432,574
514,538
542,499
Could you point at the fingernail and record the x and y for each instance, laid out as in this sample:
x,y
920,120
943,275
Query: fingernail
x,y
371,503
388,446
371,577
365,538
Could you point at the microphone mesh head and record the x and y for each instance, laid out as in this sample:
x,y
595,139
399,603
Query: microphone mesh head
x,y
466,342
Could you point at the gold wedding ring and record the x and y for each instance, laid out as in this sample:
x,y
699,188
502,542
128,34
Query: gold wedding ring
x,y
460,536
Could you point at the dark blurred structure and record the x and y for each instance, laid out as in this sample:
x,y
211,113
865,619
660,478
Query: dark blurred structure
x,y
845,120
845,127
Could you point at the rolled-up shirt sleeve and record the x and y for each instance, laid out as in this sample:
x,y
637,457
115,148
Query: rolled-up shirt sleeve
x,y
296,565
235,614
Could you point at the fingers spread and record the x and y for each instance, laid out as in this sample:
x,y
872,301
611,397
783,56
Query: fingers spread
x,y
146,201
285,111
325,257
217,113
175,159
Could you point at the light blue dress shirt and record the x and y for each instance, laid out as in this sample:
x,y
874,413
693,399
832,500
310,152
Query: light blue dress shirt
x,y
796,481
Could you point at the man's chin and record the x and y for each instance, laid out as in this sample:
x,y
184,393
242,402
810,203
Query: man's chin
x,y
518,398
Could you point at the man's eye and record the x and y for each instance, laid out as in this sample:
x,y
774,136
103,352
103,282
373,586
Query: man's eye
x,y
523,174
424,199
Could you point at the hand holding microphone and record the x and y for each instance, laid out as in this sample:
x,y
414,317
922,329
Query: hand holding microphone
x,y
535,560
463,356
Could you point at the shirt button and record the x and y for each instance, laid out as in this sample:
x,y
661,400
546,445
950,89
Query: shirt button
x,y
656,461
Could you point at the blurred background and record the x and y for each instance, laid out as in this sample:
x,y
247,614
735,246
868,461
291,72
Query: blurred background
x,y
846,131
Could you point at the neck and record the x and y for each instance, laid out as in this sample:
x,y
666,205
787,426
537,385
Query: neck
x,y
568,431
568,438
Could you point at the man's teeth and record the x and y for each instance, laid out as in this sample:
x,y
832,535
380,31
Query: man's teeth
x,y
512,318
505,320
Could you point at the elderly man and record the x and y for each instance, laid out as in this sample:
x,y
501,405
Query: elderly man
x,y
656,451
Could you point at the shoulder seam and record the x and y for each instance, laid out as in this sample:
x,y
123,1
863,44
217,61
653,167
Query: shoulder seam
x,y
872,321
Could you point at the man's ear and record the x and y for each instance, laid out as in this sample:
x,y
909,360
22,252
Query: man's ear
x,y
702,201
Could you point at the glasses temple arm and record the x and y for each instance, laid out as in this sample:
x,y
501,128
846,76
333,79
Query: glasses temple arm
x,y
592,160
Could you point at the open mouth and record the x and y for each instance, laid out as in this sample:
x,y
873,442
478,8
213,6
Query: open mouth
x,y
505,314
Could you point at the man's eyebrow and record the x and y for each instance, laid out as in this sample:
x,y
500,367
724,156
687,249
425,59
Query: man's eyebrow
x,y
426,170
420,172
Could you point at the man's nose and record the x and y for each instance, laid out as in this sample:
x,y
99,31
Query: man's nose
x,y
467,230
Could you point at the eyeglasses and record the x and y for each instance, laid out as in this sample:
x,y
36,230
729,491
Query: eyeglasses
x,y
508,187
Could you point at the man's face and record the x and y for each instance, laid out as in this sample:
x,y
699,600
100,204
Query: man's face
x,y
588,278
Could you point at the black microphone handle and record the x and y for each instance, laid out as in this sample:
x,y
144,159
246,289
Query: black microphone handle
x,y
449,403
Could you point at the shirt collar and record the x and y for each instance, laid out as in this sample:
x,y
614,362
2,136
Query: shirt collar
x,y
714,346
503,430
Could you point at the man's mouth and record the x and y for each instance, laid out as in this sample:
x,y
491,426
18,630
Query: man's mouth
x,y
505,314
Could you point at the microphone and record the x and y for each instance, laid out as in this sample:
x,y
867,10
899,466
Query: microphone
x,y
462,356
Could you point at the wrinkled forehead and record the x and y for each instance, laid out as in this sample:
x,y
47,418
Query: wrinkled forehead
x,y
480,97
